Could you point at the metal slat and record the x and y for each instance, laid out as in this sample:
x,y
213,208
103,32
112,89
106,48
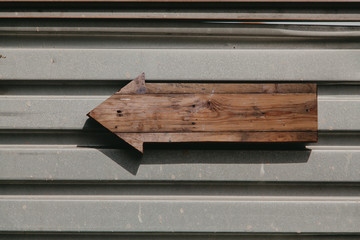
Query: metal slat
x,y
27,163
174,236
180,65
100,214
104,191
183,190
183,14
175,42
91,28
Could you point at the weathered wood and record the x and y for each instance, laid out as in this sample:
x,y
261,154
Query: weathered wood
x,y
208,113
218,88
168,112
137,139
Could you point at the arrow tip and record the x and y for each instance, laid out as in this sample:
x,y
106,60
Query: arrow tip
x,y
136,86
133,140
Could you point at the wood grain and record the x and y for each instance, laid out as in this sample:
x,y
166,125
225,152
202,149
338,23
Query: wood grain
x,y
208,113
191,112
137,139
216,88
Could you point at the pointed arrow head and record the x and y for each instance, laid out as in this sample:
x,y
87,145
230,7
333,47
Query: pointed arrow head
x,y
136,86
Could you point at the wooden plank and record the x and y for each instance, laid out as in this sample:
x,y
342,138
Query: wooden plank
x,y
211,88
223,137
208,113
225,112
137,139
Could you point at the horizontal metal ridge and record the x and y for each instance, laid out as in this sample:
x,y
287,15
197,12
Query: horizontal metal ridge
x,y
219,15
175,236
208,28
170,64
182,190
114,165
171,41
332,217
188,198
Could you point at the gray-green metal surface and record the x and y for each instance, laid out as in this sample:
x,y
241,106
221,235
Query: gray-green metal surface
x,y
63,176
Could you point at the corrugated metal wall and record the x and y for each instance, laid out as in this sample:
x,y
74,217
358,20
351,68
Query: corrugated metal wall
x,y
63,176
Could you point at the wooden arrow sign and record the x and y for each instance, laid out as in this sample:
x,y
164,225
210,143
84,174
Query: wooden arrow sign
x,y
192,112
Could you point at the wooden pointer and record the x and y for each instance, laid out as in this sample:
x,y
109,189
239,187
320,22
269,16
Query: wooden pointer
x,y
210,112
